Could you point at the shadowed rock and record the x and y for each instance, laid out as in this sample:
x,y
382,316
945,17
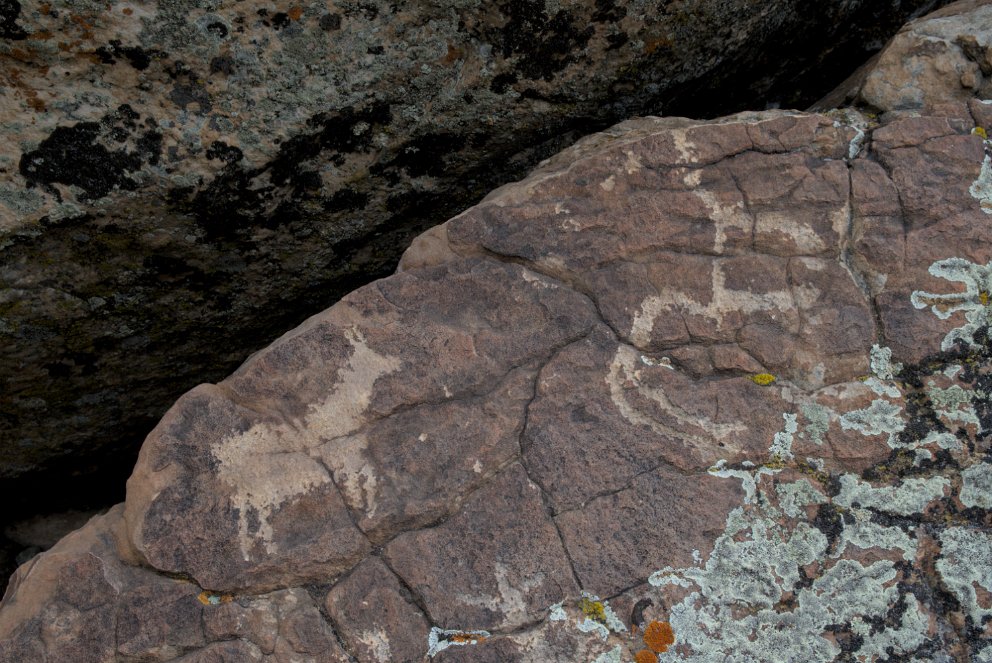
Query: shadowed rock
x,y
691,388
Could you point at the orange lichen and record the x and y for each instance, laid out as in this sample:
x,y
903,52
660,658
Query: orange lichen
x,y
645,656
763,379
658,636
295,13
466,638
209,598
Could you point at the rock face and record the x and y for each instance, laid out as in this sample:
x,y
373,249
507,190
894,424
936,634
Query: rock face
x,y
183,178
692,390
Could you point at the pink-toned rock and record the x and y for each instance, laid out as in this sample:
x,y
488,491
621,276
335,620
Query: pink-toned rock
x,y
686,374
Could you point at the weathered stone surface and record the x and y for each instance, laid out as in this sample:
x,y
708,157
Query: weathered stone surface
x,y
377,615
334,407
692,389
942,60
184,180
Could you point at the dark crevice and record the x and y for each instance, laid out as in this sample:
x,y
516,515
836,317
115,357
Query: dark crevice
x,y
415,596
545,497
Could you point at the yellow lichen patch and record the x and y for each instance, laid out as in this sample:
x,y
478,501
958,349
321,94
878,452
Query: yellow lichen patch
x,y
775,463
209,598
645,656
980,131
763,379
983,297
594,610
658,636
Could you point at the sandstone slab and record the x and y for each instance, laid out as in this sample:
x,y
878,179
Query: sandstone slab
x,y
691,390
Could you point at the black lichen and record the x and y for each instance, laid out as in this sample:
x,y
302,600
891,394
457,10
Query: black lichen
x,y
10,10
79,155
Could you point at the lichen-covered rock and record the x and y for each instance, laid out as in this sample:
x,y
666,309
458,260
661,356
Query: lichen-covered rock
x,y
184,179
691,391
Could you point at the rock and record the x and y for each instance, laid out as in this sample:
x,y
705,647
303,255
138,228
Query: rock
x,y
184,181
687,373
937,63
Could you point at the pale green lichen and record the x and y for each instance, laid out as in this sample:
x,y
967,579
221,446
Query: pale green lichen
x,y
884,372
976,486
881,417
941,439
817,422
981,188
861,531
782,442
795,495
910,497
881,363
912,633
749,480
954,403
966,561
977,280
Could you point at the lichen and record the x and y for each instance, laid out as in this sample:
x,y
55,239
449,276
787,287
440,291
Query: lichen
x,y
911,496
977,279
954,403
828,566
645,656
781,448
613,656
763,379
966,561
658,636
884,372
817,422
881,417
795,495
976,488
210,598
981,188
440,639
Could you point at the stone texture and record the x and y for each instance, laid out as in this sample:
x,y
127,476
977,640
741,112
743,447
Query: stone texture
x,y
184,180
729,378
377,615
942,60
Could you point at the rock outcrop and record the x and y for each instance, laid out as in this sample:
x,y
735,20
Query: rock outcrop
x,y
183,180
691,390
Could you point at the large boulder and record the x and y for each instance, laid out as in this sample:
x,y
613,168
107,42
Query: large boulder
x,y
184,180
697,389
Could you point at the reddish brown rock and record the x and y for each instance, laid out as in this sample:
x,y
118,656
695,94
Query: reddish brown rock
x,y
377,615
659,519
498,564
693,373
